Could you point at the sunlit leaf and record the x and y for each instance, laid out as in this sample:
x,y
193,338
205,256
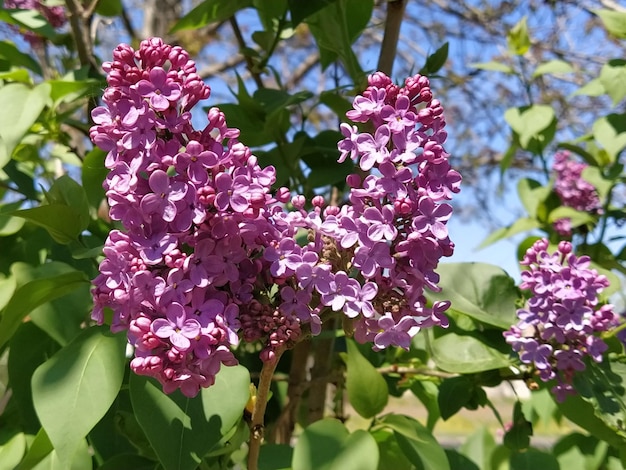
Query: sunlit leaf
x,y
613,79
555,66
78,385
210,11
614,22
465,354
518,38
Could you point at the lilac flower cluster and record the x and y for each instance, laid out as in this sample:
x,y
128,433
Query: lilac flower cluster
x,y
561,324
208,254
55,15
573,190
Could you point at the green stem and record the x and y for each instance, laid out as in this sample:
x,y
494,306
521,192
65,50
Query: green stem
x,y
257,426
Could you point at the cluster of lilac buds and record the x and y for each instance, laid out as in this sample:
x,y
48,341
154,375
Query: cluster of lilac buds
x,y
573,190
208,255
563,319
55,15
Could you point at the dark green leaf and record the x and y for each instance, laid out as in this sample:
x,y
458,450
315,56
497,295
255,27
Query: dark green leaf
x,y
533,459
589,158
128,462
210,11
428,394
465,354
454,393
78,385
327,445
275,457
29,296
93,174
366,388
29,348
109,8
336,27
337,103
68,192
458,461
17,58
417,443
21,106
391,456
614,22
435,61
62,222
481,291
578,451
182,430
517,436
301,10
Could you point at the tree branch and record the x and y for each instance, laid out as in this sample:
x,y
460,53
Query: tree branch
x,y
395,14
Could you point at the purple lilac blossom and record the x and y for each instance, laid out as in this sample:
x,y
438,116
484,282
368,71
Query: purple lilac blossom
x,y
208,255
55,15
563,318
573,190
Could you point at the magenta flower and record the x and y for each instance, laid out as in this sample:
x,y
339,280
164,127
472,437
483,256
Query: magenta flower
x,y
159,89
176,327
165,193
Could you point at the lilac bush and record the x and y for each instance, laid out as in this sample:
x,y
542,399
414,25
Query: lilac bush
x,y
207,253
563,320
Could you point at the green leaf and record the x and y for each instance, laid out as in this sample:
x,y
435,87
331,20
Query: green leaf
x,y
336,27
532,194
493,66
460,462
533,459
93,174
210,11
524,224
29,348
614,22
613,79
338,104
530,122
417,443
610,132
584,154
577,218
517,436
555,66
301,10
577,451
518,38
62,222
29,296
9,224
427,392
481,291
68,192
78,385
128,462
17,58
275,457
39,449
465,354
454,393
327,445
12,448
109,8
479,447
7,288
435,61
183,430
21,107
272,100
367,389
81,460
391,456
64,91
593,88
29,19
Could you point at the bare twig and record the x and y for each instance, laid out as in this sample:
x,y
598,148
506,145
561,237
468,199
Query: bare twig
x,y
242,46
320,372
